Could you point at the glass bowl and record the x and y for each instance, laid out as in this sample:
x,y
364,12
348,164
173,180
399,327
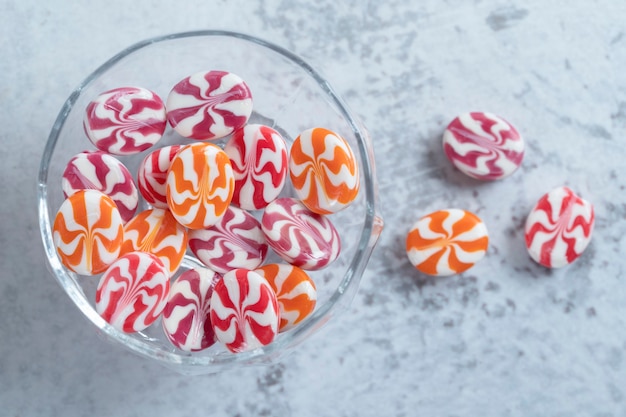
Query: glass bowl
x,y
290,96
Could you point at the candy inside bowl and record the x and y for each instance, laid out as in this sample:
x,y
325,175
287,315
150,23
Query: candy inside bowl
x,y
290,97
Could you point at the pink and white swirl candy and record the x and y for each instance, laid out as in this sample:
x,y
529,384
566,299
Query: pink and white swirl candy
x,y
244,311
209,105
559,227
258,155
96,170
298,235
483,146
152,175
133,291
235,241
186,319
125,120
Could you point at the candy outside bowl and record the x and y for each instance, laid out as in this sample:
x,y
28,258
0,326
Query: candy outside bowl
x,y
289,96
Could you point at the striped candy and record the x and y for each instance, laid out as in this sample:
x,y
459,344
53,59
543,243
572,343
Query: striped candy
x,y
133,291
209,105
235,241
153,174
483,146
186,320
447,242
157,232
88,232
258,155
295,292
299,236
323,170
559,227
244,311
199,185
125,120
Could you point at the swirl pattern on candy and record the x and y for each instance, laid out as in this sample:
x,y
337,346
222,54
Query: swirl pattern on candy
x,y
235,241
125,120
447,242
258,155
133,292
186,319
244,311
199,186
298,235
323,170
153,174
483,146
157,232
295,291
209,105
88,232
97,170
559,227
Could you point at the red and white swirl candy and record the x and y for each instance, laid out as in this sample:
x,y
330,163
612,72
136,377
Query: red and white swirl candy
x,y
125,120
483,146
153,174
559,227
298,235
96,170
258,155
209,105
133,291
236,241
244,311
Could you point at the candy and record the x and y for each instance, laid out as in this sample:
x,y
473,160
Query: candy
x,y
96,170
244,311
258,155
125,120
559,227
294,290
199,185
209,105
447,242
483,146
299,236
88,232
157,232
186,319
153,174
323,170
236,241
133,291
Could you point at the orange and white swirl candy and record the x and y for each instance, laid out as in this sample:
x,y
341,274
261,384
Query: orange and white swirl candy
x,y
447,242
200,185
323,171
88,232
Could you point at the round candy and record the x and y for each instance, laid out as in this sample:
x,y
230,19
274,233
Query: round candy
x,y
558,229
323,170
298,235
186,320
447,242
294,290
88,232
236,241
209,105
133,291
199,185
483,146
96,170
157,232
125,120
153,174
258,155
244,311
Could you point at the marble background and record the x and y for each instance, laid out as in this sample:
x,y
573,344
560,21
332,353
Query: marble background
x,y
507,338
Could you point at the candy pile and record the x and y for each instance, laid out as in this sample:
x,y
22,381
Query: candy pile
x,y
224,205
